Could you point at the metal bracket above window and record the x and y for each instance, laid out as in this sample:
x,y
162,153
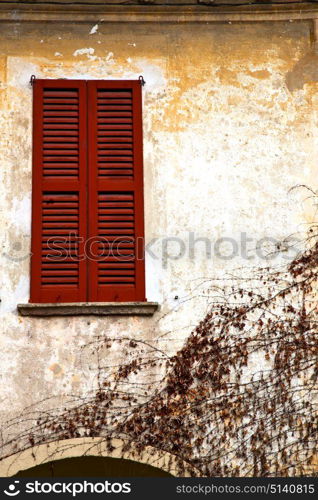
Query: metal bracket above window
x,y
33,78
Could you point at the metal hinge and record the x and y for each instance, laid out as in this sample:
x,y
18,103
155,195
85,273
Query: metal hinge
x,y
142,81
32,79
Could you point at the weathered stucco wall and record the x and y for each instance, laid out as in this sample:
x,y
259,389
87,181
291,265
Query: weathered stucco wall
x,y
230,120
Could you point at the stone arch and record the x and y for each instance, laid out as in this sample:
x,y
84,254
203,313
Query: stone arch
x,y
97,447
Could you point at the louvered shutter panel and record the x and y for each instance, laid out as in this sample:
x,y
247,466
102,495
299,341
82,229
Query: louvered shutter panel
x,y
116,225
59,202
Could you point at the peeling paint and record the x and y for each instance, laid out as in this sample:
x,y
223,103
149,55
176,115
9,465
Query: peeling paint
x,y
84,51
56,369
94,29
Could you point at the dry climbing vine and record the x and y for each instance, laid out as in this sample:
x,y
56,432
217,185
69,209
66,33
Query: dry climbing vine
x,y
238,399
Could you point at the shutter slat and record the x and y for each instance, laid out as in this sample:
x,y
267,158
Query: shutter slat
x,y
114,218
61,272
120,244
60,93
56,146
59,218
61,158
112,141
60,106
55,135
110,108
61,173
116,265
114,133
61,141
114,127
113,121
61,280
113,101
49,265
106,154
112,165
61,100
115,158
115,173
114,114
55,165
71,153
63,120
112,94
116,280
60,114
50,128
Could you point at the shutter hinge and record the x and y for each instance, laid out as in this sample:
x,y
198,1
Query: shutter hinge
x,y
32,79
142,81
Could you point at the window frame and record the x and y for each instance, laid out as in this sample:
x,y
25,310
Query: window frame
x,y
87,184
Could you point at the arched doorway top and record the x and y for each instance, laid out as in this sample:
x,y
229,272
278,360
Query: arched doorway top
x,y
80,447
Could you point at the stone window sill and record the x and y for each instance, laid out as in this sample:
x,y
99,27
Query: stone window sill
x,y
89,308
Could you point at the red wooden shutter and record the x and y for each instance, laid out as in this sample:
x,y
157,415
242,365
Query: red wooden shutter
x,y
59,191
116,225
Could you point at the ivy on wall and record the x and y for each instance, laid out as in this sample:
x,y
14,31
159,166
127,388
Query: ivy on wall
x,y
238,399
